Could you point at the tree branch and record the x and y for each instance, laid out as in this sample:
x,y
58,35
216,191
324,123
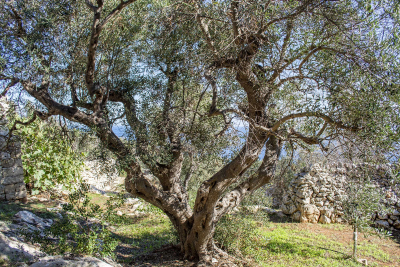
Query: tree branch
x,y
263,175
13,82
289,28
204,29
213,107
235,25
116,11
326,118
97,26
20,30
98,124
306,6
91,6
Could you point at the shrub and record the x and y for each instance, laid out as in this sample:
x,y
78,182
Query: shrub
x,y
82,227
48,158
236,232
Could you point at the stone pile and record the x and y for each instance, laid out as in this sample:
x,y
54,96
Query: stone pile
x,y
101,175
12,186
316,194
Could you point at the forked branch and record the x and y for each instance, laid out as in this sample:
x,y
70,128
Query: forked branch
x,y
326,118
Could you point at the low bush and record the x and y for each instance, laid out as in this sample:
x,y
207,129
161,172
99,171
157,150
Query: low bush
x,y
236,232
48,157
82,227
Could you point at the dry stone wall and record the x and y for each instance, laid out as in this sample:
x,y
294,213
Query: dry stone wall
x,y
12,186
315,194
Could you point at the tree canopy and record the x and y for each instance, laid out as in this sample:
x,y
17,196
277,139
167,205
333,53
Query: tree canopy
x,y
181,76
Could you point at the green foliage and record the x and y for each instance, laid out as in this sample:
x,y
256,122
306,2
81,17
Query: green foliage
x,y
82,228
48,158
236,232
362,200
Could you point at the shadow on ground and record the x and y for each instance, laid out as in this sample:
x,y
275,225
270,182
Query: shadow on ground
x,y
8,209
395,236
276,218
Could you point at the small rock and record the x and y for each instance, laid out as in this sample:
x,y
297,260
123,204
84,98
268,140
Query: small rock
x,y
324,219
270,211
131,201
296,216
381,223
27,218
382,216
54,209
119,213
363,261
280,214
14,250
396,224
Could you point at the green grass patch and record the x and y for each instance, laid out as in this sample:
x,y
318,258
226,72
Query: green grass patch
x,y
287,246
146,234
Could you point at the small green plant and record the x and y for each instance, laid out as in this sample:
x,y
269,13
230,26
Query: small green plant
x,y
82,227
236,232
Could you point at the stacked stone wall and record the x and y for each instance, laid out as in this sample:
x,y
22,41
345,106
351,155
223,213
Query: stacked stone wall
x,y
12,186
315,194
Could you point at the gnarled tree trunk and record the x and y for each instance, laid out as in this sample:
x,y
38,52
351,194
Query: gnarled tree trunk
x,y
196,227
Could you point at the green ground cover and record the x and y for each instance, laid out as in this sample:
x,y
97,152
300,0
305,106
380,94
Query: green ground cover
x,y
268,244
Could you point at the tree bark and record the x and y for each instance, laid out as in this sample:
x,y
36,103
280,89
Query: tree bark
x,y
355,232
196,228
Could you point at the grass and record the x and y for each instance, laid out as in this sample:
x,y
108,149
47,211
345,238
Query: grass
x,y
288,246
147,234
140,235
8,210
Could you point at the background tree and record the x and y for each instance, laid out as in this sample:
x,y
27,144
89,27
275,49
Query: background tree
x,y
363,200
178,74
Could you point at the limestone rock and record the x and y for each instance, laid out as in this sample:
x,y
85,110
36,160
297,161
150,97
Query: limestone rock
x,y
324,219
296,216
29,220
382,223
309,213
270,211
325,188
382,216
12,250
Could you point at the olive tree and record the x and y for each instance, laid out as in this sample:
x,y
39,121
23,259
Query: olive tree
x,y
181,74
